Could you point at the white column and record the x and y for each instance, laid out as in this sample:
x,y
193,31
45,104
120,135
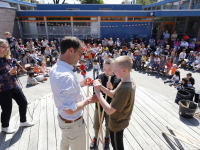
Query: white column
x,y
18,7
46,27
99,24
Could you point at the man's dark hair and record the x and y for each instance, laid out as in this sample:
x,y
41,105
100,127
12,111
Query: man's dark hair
x,y
69,42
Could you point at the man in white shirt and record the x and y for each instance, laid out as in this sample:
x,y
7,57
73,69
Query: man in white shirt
x,y
118,43
110,45
68,97
182,56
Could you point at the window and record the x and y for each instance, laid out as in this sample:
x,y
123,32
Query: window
x,y
31,18
156,26
116,19
195,4
23,7
164,19
179,27
105,8
153,8
73,8
59,28
78,18
174,5
184,4
181,19
149,8
139,19
58,18
167,6
192,25
82,29
158,7
34,28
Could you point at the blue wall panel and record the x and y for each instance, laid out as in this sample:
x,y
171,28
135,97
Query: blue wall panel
x,y
88,6
126,30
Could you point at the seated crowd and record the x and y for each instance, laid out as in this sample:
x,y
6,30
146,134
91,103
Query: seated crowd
x,y
153,55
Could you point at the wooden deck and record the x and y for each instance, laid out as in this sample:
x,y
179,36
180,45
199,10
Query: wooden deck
x,y
151,114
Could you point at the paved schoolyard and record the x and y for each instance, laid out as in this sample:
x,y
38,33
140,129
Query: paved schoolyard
x,y
147,80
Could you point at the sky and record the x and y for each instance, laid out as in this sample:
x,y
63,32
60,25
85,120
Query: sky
x,y
76,2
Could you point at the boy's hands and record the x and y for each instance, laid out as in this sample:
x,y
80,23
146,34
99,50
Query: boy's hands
x,y
93,99
109,85
97,85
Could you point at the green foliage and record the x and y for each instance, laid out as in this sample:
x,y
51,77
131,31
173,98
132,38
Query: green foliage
x,y
91,1
144,2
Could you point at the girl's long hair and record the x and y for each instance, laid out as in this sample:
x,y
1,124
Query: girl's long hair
x,y
177,73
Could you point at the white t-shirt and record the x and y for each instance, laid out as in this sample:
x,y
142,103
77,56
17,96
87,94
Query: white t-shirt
x,y
156,60
44,43
47,52
182,55
34,56
97,66
110,43
143,50
104,55
130,55
176,78
115,56
118,43
184,44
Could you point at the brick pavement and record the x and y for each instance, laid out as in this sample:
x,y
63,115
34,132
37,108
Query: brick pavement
x,y
150,81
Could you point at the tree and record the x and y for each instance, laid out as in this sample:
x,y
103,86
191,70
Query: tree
x,y
91,1
58,1
144,2
125,2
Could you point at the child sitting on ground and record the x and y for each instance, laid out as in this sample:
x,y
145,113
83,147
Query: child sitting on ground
x,y
83,68
138,61
119,110
123,51
130,54
175,79
44,68
31,80
116,54
143,60
156,63
96,68
169,66
183,84
196,63
148,51
162,65
191,80
151,62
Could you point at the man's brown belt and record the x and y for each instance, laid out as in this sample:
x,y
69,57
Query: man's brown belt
x,y
69,121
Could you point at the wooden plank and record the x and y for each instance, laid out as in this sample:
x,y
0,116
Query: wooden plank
x,y
7,137
158,122
131,140
165,118
51,139
58,131
173,107
168,116
33,142
192,123
24,141
42,141
150,128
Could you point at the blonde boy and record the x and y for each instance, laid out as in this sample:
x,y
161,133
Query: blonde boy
x,y
121,107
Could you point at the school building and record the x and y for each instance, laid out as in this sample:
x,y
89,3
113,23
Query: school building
x,y
107,20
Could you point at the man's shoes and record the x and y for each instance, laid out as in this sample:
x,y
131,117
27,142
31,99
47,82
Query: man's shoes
x,y
8,130
107,142
93,144
26,124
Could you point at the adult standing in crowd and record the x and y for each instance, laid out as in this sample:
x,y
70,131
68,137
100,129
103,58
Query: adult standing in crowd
x,y
44,42
12,43
173,38
166,36
9,90
68,96
110,45
159,34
